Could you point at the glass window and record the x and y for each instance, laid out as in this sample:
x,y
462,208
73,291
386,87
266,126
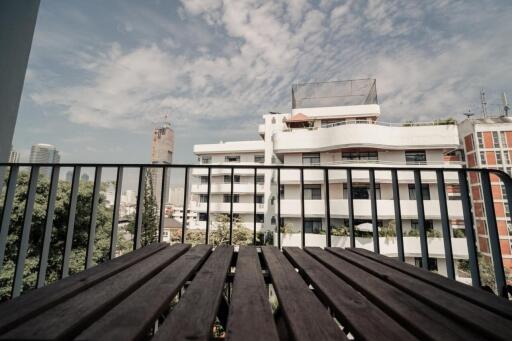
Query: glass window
x,y
259,158
227,179
495,139
503,139
227,198
432,263
503,191
483,161
312,192
204,179
507,156
425,190
281,190
499,159
206,159
415,157
480,140
203,198
259,199
507,210
260,179
312,225
230,158
311,159
429,224
361,191
202,216
260,218
360,155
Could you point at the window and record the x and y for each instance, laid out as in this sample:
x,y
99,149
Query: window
x,y
227,179
429,225
483,161
259,199
259,158
503,192
206,159
507,157
312,192
260,218
425,190
507,210
503,139
203,197
480,140
311,159
432,263
281,191
232,158
227,198
260,179
414,157
359,155
361,120
202,216
361,191
204,180
499,159
312,225
495,139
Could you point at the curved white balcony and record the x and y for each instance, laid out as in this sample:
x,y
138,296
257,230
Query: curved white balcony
x,y
227,171
246,188
362,209
223,207
367,135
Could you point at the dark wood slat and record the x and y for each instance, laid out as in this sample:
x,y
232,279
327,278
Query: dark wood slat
x,y
34,302
363,319
305,316
135,315
69,318
481,320
419,318
250,315
194,315
480,297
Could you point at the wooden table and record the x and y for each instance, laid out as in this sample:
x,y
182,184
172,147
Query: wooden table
x,y
180,292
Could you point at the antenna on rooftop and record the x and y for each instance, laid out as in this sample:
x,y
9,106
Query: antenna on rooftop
x,y
484,102
504,100
468,114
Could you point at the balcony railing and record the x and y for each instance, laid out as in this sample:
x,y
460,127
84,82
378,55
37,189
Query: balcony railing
x,y
43,215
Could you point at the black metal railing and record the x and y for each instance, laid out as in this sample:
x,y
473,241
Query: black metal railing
x,y
15,233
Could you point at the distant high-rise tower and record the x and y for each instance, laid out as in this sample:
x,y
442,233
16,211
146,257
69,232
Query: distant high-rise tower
x,y
44,153
14,156
161,153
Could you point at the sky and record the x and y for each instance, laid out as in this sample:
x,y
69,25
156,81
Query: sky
x,y
101,74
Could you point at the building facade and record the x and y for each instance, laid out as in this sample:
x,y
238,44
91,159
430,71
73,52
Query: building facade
x,y
44,153
487,143
14,156
162,150
337,131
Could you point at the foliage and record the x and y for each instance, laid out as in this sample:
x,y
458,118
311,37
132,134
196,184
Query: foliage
x,y
60,222
431,233
220,234
447,121
150,223
287,228
486,268
459,233
339,231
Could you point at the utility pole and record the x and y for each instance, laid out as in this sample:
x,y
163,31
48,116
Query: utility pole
x,y
484,102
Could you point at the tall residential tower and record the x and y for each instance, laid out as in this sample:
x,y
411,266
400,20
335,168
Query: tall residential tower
x,y
162,150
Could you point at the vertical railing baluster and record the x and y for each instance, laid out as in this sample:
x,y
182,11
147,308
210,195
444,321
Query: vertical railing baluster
x,y
140,204
350,198
232,177
115,215
208,192
398,215
421,219
7,210
25,232
47,234
494,238
71,221
254,212
469,229
327,207
447,238
92,224
185,196
279,208
373,204
164,188
302,208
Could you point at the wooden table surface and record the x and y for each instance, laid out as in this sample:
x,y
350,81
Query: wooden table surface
x,y
181,292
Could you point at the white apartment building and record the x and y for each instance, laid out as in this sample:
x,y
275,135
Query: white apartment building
x,y
330,125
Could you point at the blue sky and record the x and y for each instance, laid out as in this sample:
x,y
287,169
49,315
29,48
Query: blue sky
x,y
101,73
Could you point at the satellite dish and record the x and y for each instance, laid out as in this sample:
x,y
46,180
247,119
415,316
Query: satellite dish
x,y
468,114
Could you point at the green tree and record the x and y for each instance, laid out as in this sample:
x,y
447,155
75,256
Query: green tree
x,y
220,235
59,230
